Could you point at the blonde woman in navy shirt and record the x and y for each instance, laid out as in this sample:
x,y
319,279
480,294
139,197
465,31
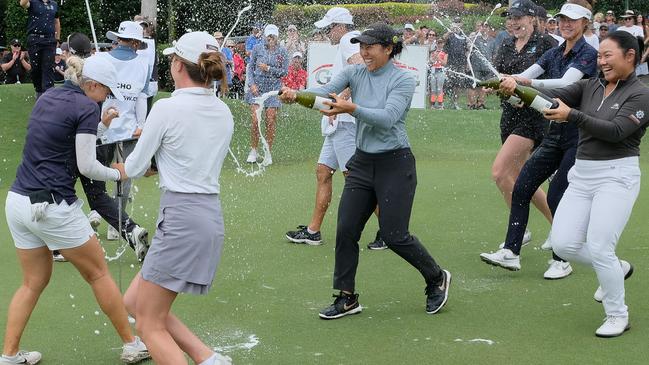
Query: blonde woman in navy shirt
x,y
44,213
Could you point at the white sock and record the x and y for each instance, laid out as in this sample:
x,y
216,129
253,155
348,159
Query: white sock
x,y
210,360
310,231
10,358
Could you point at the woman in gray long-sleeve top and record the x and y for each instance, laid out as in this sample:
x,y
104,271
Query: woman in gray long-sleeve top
x,y
611,113
382,170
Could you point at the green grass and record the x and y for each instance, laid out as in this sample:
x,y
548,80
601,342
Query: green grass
x,y
272,289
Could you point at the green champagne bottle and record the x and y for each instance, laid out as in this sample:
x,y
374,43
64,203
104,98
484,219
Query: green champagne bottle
x,y
311,100
535,99
495,84
526,94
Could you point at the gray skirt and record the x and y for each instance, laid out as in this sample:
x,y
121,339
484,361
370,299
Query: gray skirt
x,y
186,249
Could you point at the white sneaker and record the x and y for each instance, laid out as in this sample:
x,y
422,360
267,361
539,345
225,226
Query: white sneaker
x,y
134,352
504,258
557,270
22,357
57,257
112,234
613,326
268,160
95,219
527,238
138,238
627,268
252,156
217,359
547,245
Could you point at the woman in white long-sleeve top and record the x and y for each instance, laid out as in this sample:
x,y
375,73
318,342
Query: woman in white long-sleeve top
x,y
611,113
189,135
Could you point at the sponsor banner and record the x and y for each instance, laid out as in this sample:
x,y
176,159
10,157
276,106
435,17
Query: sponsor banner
x,y
413,59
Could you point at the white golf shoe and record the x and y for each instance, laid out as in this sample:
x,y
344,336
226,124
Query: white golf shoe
x,y
95,219
504,258
267,161
613,326
22,357
138,239
217,359
134,352
547,245
252,156
557,270
527,238
112,234
627,268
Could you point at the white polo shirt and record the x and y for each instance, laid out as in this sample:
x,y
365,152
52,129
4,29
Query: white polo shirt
x,y
189,134
346,49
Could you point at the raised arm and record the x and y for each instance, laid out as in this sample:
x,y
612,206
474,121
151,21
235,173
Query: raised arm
x,y
626,122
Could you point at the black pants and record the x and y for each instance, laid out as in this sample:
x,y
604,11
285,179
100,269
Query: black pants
x,y
41,56
390,179
100,201
555,153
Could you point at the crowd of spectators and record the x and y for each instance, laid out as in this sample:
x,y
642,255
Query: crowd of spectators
x,y
463,53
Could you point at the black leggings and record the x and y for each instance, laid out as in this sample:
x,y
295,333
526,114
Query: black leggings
x,y
556,153
389,179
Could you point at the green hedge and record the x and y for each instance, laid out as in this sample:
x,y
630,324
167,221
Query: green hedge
x,y
107,14
364,14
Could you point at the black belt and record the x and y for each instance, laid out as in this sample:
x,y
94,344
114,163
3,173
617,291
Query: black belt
x,y
43,196
41,35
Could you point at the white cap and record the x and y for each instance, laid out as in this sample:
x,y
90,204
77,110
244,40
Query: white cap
x,y
59,51
409,26
127,30
574,11
297,54
191,45
271,29
101,70
335,15
628,14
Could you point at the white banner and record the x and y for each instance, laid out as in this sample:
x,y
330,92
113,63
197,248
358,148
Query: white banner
x,y
413,59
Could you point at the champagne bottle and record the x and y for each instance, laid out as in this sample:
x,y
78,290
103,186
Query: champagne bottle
x,y
535,99
526,94
495,84
311,100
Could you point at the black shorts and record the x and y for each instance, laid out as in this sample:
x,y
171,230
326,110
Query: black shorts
x,y
524,122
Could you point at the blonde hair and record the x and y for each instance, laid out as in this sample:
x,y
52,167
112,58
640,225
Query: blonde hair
x,y
74,69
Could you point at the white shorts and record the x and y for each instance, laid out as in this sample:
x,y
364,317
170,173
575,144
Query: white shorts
x,y
64,226
339,147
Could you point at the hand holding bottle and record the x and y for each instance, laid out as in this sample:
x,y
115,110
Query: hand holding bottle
x,y
339,106
507,85
286,95
558,114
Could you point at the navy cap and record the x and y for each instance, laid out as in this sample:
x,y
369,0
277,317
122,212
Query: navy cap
x,y
521,8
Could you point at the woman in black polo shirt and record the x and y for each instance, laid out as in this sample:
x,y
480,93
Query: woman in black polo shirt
x,y
611,113
521,129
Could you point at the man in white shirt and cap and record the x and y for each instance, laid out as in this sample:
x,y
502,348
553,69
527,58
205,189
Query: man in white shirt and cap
x,y
339,132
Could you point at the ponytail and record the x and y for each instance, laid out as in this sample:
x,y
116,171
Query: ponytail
x,y
74,70
211,66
